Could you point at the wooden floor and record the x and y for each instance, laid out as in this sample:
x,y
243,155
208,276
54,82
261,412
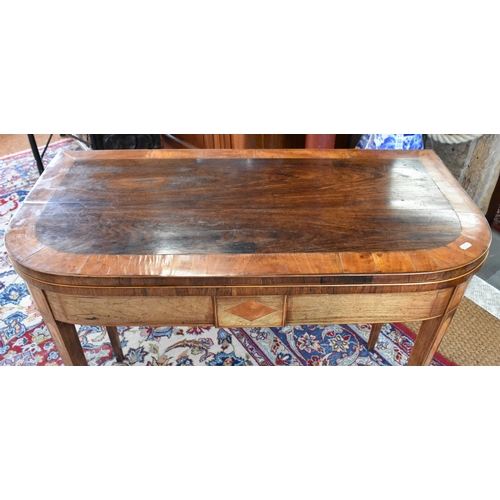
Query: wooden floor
x,y
13,143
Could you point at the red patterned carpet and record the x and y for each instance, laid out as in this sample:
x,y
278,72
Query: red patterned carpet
x,y
25,340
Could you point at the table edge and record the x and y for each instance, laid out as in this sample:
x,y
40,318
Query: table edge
x,y
40,261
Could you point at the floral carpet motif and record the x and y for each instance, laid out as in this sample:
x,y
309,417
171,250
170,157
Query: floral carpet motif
x,y
25,340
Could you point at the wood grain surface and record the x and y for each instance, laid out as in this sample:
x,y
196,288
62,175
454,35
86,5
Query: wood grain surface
x,y
267,310
249,206
113,310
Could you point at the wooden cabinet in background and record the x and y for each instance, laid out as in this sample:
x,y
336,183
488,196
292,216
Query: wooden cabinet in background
x,y
233,141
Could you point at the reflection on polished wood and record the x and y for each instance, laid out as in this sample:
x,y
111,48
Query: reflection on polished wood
x,y
220,206
247,238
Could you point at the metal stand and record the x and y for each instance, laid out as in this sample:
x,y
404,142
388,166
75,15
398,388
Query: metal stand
x,y
36,153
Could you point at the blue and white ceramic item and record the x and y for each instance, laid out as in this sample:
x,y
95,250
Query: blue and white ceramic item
x,y
391,141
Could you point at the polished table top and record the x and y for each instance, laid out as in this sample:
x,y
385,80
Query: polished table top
x,y
173,216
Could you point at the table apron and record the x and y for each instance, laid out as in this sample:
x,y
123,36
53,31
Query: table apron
x,y
242,311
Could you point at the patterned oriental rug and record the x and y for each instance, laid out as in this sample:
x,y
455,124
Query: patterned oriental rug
x,y
25,340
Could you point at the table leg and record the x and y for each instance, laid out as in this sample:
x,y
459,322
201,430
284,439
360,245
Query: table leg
x,y
432,331
114,337
428,339
64,335
376,327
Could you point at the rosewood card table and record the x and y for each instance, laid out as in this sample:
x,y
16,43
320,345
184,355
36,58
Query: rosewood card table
x,y
237,238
